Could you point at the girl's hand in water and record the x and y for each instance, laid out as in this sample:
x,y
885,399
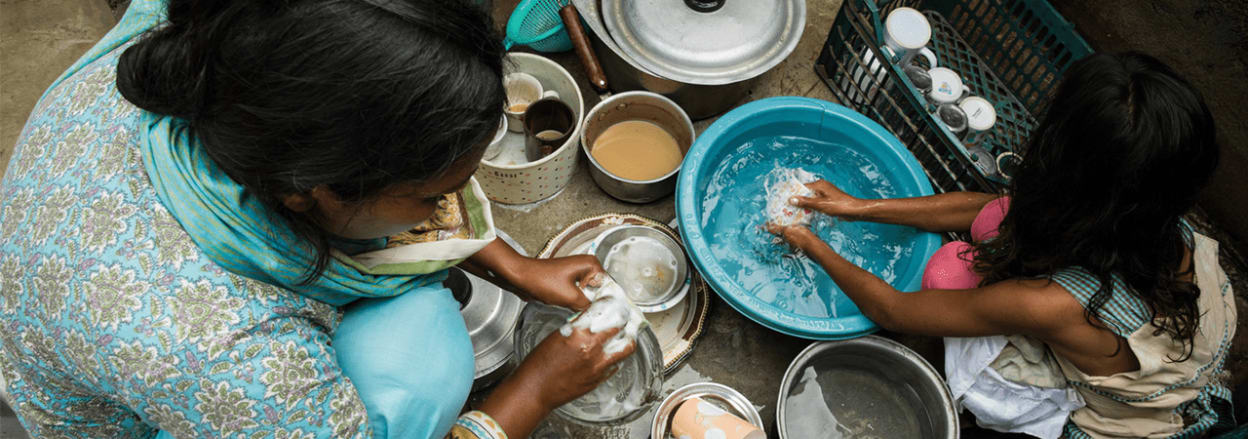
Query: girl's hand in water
x,y
828,199
799,237
554,281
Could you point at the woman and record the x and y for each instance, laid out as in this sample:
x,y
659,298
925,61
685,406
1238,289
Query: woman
x,y
189,210
1089,257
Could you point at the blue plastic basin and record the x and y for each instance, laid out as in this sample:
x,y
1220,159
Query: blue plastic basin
x,y
834,132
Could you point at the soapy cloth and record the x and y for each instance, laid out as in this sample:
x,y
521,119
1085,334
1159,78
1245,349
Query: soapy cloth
x,y
783,184
1011,383
609,308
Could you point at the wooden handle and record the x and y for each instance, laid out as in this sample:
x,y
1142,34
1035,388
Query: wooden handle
x,y
572,21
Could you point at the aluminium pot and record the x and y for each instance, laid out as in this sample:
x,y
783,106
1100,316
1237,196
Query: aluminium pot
x,y
868,383
707,59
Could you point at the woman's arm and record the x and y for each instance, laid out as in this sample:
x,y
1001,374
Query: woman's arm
x,y
949,212
1035,308
559,370
552,281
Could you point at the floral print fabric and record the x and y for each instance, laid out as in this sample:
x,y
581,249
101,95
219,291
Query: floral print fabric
x,y
113,322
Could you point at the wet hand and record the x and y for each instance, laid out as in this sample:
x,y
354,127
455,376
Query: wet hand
x,y
564,368
798,236
554,281
828,199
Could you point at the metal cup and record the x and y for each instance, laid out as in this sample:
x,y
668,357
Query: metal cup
x,y
919,77
547,125
983,160
952,117
1008,164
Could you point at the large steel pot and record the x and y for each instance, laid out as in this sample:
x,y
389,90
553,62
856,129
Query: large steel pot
x,y
699,101
702,87
844,388
490,314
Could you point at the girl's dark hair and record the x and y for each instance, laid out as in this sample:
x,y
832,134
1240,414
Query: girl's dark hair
x,y
355,95
1120,156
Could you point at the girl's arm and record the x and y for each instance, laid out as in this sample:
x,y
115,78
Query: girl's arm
x,y
1035,308
949,212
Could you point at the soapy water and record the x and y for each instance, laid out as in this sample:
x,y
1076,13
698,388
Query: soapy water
x,y
734,213
783,184
644,268
846,403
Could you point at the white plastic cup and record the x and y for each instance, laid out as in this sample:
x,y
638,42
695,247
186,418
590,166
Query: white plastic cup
x,y
980,118
906,34
947,87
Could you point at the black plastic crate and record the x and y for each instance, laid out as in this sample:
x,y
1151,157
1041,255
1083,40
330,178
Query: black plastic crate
x,y
1011,52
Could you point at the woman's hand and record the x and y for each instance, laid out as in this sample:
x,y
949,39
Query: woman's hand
x,y
559,370
829,199
551,281
554,281
572,366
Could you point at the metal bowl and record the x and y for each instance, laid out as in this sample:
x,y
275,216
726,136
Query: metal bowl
x,y
635,105
624,397
681,280
869,383
723,396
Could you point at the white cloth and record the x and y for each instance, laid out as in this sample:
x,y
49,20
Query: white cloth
x,y
1001,404
783,184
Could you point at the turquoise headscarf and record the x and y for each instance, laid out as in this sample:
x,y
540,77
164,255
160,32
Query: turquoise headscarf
x,y
239,233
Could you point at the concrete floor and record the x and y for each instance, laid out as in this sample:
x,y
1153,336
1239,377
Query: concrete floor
x,y
38,39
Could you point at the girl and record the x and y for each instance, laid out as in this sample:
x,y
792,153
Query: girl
x,y
190,209
1088,258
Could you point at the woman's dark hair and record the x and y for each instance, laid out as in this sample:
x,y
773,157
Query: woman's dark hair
x,y
355,95
1120,156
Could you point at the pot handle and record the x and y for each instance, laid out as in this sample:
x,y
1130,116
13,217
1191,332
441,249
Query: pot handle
x,y
572,21
705,5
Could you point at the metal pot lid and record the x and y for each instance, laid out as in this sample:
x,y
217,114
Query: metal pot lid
x,y
706,42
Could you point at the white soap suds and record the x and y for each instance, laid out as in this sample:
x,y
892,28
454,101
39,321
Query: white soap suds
x,y
609,308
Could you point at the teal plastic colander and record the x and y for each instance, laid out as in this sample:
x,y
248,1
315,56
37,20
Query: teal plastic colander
x,y
536,23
